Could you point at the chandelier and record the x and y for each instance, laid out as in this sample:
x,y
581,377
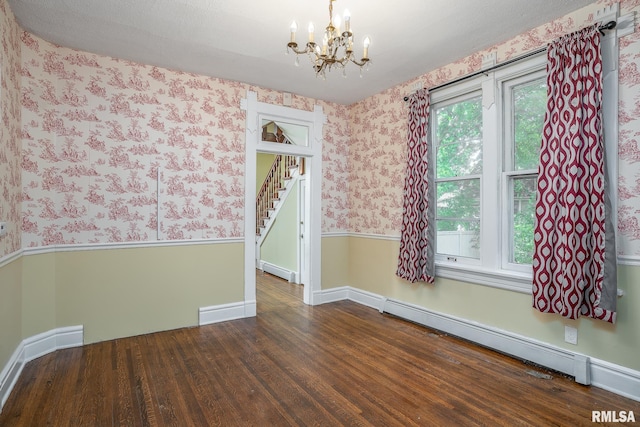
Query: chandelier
x,y
336,49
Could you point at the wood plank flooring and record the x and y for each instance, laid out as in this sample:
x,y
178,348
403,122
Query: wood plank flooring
x,y
334,364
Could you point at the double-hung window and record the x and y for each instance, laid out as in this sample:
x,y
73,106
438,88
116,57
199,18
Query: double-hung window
x,y
524,102
458,140
486,135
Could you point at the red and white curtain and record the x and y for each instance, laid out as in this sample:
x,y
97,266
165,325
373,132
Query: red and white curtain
x,y
574,268
416,261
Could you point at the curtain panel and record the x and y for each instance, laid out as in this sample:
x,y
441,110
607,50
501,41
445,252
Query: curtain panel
x,y
416,261
574,268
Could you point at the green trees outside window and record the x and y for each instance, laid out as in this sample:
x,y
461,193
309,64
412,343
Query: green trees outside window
x,y
458,139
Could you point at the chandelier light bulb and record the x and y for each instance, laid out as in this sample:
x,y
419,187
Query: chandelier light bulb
x,y
311,30
366,44
347,21
294,28
336,23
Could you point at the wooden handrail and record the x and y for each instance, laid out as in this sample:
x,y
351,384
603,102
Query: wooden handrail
x,y
274,182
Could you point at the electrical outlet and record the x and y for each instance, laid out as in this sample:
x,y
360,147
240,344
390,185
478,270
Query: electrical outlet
x,y
571,335
3,229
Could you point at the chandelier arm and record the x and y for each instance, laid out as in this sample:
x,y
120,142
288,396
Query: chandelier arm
x,y
360,63
310,47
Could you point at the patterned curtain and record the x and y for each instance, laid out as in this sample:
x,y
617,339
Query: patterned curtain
x,y
574,262
416,260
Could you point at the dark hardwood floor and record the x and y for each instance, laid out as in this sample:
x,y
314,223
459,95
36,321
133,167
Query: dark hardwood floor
x,y
334,364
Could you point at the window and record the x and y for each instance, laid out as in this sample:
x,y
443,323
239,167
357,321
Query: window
x,y
458,145
524,103
486,135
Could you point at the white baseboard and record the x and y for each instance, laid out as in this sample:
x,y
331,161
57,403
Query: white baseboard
x,y
346,292
614,378
331,295
367,298
278,271
33,347
518,346
224,312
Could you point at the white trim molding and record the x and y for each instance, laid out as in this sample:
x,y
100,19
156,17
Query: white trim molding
x,y
8,259
586,370
633,260
225,312
126,245
348,293
616,379
33,347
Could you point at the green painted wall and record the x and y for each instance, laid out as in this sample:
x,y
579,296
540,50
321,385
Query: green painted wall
x,y
372,266
280,246
10,309
116,293
263,165
39,294
335,261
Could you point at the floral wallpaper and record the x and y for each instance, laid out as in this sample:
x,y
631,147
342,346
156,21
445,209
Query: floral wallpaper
x,y
115,151
106,150
378,149
10,172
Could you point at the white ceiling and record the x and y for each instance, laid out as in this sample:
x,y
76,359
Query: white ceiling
x,y
245,40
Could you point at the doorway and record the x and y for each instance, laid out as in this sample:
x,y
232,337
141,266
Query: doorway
x,y
280,216
311,122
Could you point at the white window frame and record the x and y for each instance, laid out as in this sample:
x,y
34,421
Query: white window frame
x,y
493,268
526,72
471,91
490,269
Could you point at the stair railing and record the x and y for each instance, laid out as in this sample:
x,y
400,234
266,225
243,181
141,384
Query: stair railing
x,y
274,182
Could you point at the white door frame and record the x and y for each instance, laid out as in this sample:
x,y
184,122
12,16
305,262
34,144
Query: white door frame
x,y
301,230
314,120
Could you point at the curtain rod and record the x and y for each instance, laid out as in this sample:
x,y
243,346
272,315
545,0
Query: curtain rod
x,y
608,26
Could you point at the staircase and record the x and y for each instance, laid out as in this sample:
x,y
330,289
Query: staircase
x,y
277,181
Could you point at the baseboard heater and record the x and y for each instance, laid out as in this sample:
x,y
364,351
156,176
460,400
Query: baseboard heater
x,y
283,273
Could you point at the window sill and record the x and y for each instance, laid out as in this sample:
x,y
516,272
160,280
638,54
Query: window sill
x,y
502,279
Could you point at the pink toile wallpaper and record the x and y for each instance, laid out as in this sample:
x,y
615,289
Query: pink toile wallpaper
x,y
105,150
379,132
10,154
114,151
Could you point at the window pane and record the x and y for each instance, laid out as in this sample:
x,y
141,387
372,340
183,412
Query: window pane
x,y
458,138
458,199
523,191
458,218
458,238
529,104
284,133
